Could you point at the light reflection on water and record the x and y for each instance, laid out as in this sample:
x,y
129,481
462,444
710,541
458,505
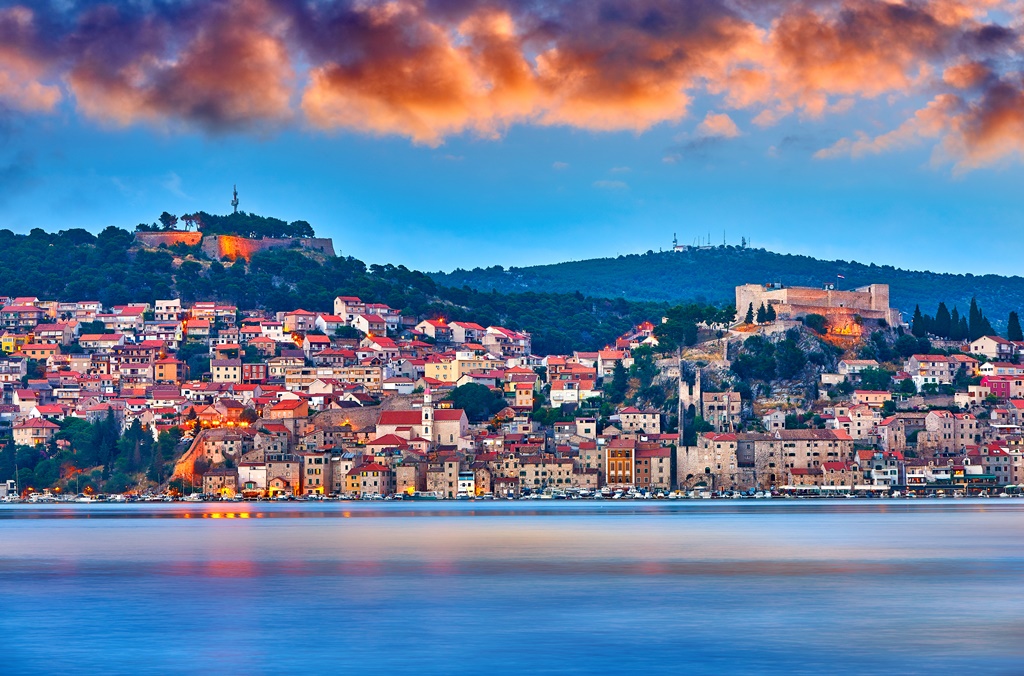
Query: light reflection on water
x,y
701,587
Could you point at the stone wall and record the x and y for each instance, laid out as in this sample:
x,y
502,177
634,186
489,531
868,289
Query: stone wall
x,y
155,239
232,247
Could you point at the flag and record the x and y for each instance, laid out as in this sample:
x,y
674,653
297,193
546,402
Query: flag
x,y
840,277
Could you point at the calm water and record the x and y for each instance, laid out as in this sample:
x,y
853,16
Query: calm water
x,y
694,587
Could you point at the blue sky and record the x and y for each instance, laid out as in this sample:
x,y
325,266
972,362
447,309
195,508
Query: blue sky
x,y
935,186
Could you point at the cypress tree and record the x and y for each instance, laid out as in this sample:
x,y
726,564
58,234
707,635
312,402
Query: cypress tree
x,y
974,321
770,313
1013,330
762,315
917,326
749,319
963,331
943,322
954,325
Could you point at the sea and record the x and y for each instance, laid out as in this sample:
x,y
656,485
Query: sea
x,y
546,587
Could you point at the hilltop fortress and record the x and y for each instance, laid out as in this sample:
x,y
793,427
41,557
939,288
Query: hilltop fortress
x,y
233,246
869,302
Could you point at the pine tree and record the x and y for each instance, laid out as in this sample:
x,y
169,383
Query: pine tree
x,y
749,319
770,313
1013,330
943,322
917,326
762,315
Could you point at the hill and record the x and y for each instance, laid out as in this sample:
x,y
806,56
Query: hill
x,y
115,269
710,275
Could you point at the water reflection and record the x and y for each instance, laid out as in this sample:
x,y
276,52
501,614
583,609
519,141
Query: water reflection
x,y
699,587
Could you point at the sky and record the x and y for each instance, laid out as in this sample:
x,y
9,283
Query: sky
x,y
461,133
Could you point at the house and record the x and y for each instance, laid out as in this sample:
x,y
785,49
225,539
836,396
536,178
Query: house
x,y
437,329
994,347
853,367
506,342
168,370
34,432
633,420
313,343
872,398
466,332
348,308
226,370
370,325
222,481
100,342
931,369
299,321
286,409
329,324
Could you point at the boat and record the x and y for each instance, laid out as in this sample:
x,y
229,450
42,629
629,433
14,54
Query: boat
x,y
422,495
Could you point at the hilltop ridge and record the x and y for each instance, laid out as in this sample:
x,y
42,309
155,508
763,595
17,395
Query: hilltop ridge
x,y
711,275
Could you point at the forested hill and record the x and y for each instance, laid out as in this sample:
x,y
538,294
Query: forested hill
x,y
111,267
710,275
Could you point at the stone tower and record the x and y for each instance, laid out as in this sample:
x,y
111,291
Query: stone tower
x,y
427,415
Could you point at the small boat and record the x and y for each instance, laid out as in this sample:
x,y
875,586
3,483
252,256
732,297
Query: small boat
x,y
422,495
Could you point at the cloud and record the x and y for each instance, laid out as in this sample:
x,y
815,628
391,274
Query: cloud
x,y
172,184
610,185
559,166
430,69
718,125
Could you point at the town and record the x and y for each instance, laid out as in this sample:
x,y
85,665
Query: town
x,y
792,391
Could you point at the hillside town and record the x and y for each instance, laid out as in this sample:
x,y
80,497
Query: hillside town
x,y
805,391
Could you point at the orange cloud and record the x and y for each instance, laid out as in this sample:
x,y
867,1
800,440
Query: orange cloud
x,y
21,71
429,69
718,124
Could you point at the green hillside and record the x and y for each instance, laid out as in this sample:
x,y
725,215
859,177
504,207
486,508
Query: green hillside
x,y
111,267
710,275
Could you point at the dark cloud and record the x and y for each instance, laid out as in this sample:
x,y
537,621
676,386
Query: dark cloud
x,y
427,69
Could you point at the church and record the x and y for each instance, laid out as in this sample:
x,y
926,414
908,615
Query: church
x,y
440,426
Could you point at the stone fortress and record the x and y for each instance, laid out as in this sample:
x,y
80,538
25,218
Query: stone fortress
x,y
232,247
793,303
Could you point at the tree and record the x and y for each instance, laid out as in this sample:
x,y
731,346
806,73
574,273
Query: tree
x,y
168,221
616,389
962,330
977,324
875,379
478,401
817,323
789,359
943,322
769,313
906,346
749,319
908,387
762,314
1013,330
917,324
954,325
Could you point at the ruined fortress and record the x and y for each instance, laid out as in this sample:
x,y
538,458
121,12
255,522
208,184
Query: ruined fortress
x,y
232,246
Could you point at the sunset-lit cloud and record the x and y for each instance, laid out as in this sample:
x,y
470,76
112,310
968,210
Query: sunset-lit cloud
x,y
430,69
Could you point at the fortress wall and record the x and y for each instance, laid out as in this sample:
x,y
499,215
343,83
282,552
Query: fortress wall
x,y
155,239
232,247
